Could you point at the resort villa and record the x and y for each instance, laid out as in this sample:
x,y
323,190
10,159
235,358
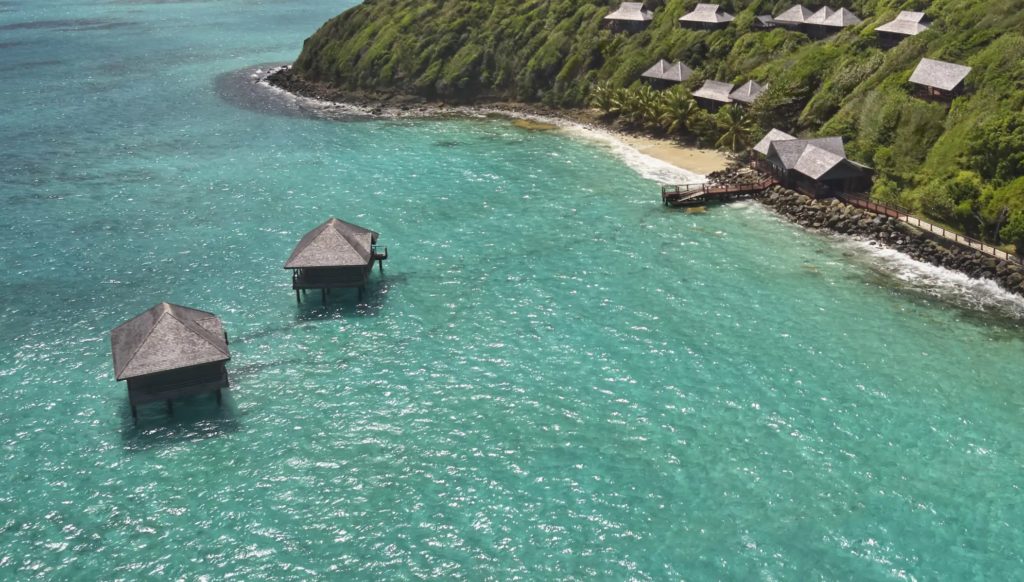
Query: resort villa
x,y
664,73
817,167
706,17
818,24
169,352
629,17
906,24
939,80
334,255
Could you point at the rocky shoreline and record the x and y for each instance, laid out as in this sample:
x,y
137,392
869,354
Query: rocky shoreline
x,y
836,216
389,104
830,215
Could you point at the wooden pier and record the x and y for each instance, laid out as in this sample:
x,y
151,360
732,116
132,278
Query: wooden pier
x,y
704,193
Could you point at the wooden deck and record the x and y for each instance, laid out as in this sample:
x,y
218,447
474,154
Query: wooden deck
x,y
704,193
904,215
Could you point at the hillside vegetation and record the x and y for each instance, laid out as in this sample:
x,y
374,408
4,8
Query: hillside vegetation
x,y
961,164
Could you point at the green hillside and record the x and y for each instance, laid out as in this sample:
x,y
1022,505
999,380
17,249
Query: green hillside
x,y
963,165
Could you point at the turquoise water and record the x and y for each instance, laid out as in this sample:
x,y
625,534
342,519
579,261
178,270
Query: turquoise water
x,y
555,378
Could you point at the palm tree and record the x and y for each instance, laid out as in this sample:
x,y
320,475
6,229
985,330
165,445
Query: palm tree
x,y
678,110
736,128
603,97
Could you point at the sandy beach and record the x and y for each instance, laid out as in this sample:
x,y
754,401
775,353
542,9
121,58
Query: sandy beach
x,y
697,160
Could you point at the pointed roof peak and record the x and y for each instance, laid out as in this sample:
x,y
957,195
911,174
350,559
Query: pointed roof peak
x,y
335,243
167,337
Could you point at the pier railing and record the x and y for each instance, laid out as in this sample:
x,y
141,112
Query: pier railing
x,y
904,215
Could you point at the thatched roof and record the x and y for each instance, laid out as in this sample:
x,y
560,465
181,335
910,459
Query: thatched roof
x,y
794,15
841,19
631,11
747,92
676,72
707,14
939,74
773,135
167,337
715,91
334,243
906,23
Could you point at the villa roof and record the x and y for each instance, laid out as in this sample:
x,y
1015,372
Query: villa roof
x,y
632,11
335,243
715,91
820,16
707,13
939,74
765,20
666,71
773,135
747,92
906,23
842,18
790,151
797,14
167,337
815,162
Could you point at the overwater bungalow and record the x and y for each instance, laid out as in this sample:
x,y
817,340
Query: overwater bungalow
x,y
706,17
747,93
939,80
334,255
906,24
664,74
817,167
713,94
629,17
169,352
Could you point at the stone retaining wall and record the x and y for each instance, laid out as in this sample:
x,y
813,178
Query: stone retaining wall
x,y
834,215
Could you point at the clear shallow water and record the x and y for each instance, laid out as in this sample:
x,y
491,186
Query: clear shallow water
x,y
555,378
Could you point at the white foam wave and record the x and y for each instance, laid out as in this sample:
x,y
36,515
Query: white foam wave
x,y
940,282
646,166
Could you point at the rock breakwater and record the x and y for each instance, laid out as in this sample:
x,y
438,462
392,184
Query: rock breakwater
x,y
837,216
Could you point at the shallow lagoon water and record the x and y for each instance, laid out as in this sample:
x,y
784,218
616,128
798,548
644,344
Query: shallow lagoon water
x,y
554,378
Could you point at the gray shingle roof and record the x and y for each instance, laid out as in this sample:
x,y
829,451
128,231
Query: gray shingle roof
x,y
790,151
632,11
747,92
794,15
939,74
773,135
715,91
820,16
842,18
707,13
666,71
167,337
815,162
906,23
335,243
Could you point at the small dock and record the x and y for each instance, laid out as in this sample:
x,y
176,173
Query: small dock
x,y
704,193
